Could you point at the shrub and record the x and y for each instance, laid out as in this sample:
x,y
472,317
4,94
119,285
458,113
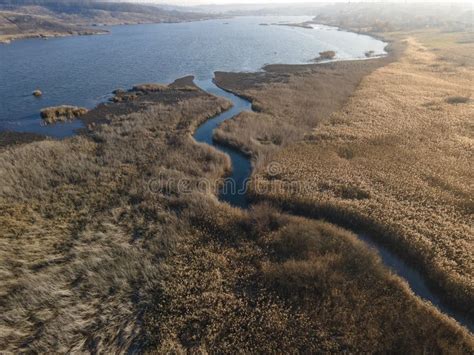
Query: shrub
x,y
453,100
326,55
150,87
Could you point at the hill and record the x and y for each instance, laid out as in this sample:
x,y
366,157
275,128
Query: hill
x,y
43,18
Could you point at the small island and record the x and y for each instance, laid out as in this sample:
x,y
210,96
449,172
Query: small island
x,y
51,115
325,55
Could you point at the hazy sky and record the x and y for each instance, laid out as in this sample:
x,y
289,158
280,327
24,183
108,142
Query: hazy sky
x,y
207,2
221,2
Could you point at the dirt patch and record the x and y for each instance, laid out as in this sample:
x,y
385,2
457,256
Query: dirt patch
x,y
8,139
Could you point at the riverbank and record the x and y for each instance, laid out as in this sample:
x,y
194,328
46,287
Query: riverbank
x,y
87,220
372,155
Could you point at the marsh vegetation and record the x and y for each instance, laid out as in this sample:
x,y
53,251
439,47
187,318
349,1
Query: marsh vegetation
x,y
289,101
83,236
61,113
365,165
99,252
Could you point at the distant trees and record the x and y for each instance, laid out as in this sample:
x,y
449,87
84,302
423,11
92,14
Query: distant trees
x,y
74,6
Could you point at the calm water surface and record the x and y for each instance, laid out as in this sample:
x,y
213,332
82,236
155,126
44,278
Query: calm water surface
x,y
234,191
85,70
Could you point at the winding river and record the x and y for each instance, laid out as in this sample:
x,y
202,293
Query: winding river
x,y
242,170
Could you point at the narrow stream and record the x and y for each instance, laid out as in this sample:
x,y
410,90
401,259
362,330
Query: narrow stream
x,y
235,196
234,188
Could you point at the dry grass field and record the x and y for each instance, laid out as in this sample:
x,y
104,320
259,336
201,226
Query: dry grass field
x,y
396,159
82,236
268,282
101,252
289,101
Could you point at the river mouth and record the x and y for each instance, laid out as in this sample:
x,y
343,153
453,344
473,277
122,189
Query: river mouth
x,y
234,193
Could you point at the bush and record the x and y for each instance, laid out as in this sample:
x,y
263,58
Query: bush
x,y
326,55
150,87
453,100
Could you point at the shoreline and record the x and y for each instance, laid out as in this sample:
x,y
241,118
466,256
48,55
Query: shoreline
x,y
266,68
45,36
89,30
11,138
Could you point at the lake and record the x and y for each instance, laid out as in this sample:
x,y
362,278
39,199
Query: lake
x,y
84,70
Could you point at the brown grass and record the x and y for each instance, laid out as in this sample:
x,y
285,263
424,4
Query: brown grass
x,y
395,160
96,256
82,236
152,87
315,263
269,282
284,113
